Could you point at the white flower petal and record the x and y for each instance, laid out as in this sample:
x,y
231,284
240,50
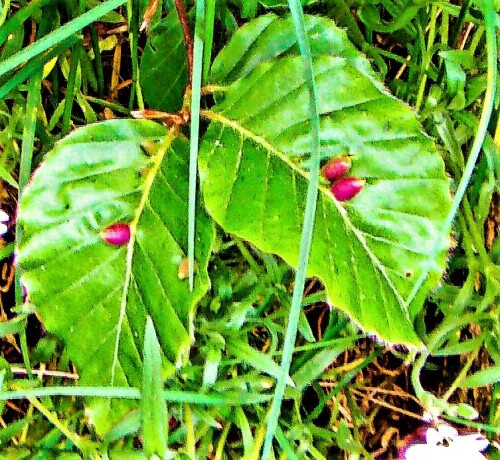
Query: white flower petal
x,y
471,441
447,431
464,454
420,452
432,437
427,452
4,217
3,229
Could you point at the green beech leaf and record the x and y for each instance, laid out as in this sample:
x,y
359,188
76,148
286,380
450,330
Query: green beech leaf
x,y
268,37
253,168
93,294
163,68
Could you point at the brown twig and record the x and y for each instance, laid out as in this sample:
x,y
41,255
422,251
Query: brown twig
x,y
188,39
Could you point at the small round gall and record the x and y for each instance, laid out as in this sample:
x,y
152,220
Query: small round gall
x,y
116,234
336,168
346,188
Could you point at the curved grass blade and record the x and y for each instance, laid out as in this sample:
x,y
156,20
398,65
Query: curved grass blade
x,y
307,229
63,32
195,131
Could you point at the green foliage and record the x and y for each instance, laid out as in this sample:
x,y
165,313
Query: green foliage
x,y
164,371
164,61
253,160
94,295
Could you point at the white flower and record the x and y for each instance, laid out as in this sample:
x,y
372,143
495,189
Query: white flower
x,y
4,217
444,443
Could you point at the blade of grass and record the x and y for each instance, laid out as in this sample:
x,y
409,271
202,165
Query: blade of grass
x,y
195,131
28,141
58,35
17,20
52,418
33,66
133,15
71,88
7,251
307,230
285,445
491,49
215,399
209,38
154,409
190,444
97,60
5,10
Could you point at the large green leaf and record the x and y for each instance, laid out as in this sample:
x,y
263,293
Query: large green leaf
x,y
253,166
93,294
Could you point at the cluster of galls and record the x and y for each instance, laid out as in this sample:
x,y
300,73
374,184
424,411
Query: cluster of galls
x,y
343,187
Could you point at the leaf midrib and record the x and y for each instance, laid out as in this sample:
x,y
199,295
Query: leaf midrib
x,y
148,186
325,193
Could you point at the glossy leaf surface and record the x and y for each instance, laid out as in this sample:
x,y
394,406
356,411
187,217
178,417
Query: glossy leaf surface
x,y
95,295
369,250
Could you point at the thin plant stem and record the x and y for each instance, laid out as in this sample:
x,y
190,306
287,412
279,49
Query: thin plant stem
x,y
427,54
136,91
188,39
195,81
307,229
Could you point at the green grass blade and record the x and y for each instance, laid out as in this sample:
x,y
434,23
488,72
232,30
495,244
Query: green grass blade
x,y
24,176
133,19
209,38
58,35
97,60
34,65
7,251
29,130
4,10
154,409
307,230
195,131
214,399
489,98
17,20
71,88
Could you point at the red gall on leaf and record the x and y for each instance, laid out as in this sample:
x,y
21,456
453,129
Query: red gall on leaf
x,y
336,168
346,188
116,234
